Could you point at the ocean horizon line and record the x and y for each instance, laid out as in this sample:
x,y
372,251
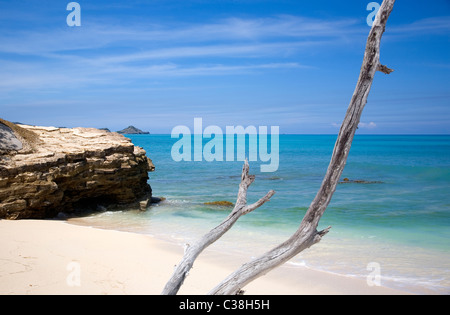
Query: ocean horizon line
x,y
314,134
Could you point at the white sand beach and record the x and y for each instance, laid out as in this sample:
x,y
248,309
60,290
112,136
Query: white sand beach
x,y
55,257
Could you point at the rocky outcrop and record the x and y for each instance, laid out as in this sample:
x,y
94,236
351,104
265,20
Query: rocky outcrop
x,y
56,170
221,203
359,181
8,140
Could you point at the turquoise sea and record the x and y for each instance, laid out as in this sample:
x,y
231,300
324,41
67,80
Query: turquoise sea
x,y
399,218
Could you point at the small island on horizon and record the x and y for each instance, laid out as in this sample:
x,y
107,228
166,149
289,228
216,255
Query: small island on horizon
x,y
131,130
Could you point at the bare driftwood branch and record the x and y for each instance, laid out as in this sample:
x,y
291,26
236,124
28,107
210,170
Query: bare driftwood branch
x,y
191,253
307,234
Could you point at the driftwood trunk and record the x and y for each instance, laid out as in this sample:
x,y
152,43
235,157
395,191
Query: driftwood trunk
x,y
307,234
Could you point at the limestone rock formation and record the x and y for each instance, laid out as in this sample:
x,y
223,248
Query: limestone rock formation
x,y
359,181
47,170
8,140
222,203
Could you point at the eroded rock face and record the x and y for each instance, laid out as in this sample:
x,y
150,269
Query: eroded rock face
x,y
66,169
8,140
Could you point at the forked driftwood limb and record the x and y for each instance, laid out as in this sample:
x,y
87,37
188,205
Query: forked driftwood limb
x,y
191,252
307,234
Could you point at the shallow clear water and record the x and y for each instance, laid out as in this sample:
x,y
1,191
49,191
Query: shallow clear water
x,y
399,220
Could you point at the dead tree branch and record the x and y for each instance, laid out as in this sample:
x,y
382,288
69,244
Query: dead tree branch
x,y
191,253
384,69
307,234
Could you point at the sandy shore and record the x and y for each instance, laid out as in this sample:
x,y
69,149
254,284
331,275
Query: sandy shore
x,y
55,257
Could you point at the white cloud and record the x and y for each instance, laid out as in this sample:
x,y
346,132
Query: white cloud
x,y
370,125
336,125
425,26
109,53
235,30
35,76
218,50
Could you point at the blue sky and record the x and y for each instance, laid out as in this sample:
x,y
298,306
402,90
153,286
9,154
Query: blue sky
x,y
157,64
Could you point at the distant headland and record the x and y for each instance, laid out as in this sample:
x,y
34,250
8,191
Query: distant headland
x,y
131,130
